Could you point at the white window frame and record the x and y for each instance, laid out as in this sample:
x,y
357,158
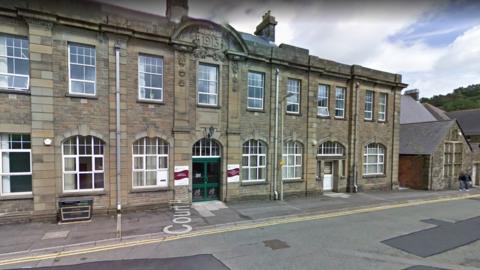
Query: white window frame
x,y
151,73
209,145
77,163
331,149
323,100
368,108
27,57
287,146
9,150
382,107
380,159
260,88
217,69
294,86
77,80
343,92
143,157
250,144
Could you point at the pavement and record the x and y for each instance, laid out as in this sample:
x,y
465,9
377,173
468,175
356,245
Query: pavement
x,y
34,238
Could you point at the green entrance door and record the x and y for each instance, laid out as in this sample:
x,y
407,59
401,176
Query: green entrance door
x,y
206,179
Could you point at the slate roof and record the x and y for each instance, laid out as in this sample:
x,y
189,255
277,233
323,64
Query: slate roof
x,y
423,138
469,120
412,111
438,113
256,39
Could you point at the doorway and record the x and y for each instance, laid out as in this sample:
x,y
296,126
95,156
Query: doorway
x,y
206,179
328,176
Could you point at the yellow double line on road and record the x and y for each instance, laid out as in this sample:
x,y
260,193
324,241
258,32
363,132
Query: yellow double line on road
x,y
232,228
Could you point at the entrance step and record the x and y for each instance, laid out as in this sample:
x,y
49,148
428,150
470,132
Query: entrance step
x,y
336,195
205,208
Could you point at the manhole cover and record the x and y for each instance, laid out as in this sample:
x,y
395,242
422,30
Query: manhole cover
x,y
276,244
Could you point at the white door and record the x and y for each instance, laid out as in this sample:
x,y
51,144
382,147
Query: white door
x,y
328,176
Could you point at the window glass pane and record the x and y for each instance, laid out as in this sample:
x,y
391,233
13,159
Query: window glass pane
x,y
99,180
151,163
70,181
70,164
19,162
151,178
85,164
86,181
138,178
20,183
98,164
162,162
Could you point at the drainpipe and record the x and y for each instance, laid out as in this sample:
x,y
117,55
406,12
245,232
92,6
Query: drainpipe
x,y
117,135
393,136
355,135
275,158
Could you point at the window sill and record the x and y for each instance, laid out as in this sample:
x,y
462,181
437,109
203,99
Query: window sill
x,y
340,118
382,121
292,180
208,106
293,114
81,96
255,110
324,117
253,183
18,92
374,176
148,101
150,189
81,193
16,197
369,120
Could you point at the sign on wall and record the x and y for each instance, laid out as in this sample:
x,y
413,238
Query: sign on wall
x,y
181,174
233,173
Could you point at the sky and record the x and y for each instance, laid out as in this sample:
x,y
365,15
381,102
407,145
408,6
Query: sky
x,y
434,44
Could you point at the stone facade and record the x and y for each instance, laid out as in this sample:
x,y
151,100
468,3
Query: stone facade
x,y
48,111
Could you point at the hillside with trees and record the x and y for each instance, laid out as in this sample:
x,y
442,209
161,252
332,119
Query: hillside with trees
x,y
461,99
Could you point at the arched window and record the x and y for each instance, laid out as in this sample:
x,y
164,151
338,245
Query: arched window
x,y
206,148
292,156
330,149
150,163
83,163
254,161
374,159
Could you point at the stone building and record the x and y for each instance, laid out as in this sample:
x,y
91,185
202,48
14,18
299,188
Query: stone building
x,y
433,147
197,110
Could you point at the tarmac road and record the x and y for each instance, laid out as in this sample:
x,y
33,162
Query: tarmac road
x,y
431,236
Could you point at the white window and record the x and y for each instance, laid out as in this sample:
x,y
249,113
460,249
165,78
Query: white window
x,y
254,161
340,102
207,85
373,159
382,107
83,163
14,63
82,69
206,148
368,115
150,163
292,156
293,101
331,149
150,78
322,100
255,90
15,164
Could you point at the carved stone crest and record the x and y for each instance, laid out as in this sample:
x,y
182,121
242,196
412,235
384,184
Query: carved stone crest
x,y
202,53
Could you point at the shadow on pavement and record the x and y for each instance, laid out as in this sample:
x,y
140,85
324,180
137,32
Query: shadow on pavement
x,y
202,261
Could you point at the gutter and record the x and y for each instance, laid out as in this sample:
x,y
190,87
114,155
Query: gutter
x,y
117,136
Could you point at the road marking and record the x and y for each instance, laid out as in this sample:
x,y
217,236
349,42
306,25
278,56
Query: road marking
x,y
234,228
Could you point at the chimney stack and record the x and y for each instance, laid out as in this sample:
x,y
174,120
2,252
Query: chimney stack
x,y
176,9
414,93
266,28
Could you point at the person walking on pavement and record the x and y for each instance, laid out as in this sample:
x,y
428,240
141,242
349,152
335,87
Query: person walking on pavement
x,y
462,178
